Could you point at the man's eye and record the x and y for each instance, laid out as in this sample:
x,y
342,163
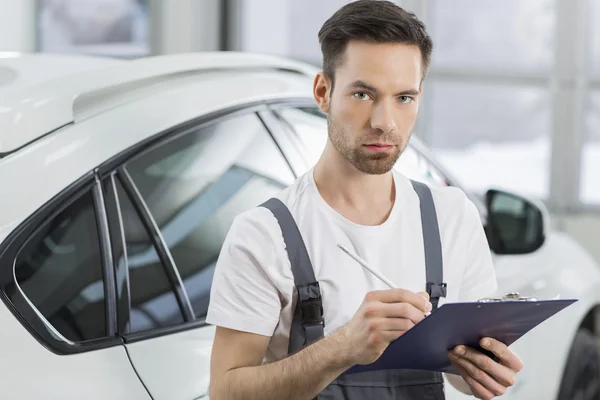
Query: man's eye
x,y
361,96
405,99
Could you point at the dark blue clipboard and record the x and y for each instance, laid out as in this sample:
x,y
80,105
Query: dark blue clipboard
x,y
426,345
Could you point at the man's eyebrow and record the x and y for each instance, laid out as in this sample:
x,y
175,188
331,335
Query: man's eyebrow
x,y
363,85
410,92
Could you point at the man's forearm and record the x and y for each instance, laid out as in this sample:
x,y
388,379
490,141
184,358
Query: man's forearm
x,y
300,376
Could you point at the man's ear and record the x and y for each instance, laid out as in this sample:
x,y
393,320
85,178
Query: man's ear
x,y
322,91
420,93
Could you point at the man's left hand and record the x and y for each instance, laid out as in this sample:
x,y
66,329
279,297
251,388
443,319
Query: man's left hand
x,y
487,378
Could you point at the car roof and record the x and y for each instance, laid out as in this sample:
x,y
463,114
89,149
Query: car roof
x,y
37,109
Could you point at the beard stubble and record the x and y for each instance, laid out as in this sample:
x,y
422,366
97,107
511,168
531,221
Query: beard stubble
x,y
368,162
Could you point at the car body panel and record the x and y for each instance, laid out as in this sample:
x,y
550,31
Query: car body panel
x,y
30,371
175,366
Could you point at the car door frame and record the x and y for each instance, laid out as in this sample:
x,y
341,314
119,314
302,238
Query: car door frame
x,y
114,168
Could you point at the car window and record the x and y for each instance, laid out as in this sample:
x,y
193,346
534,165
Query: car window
x,y
415,166
59,269
152,298
197,183
309,126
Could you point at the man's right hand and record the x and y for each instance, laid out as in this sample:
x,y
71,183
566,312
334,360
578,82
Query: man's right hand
x,y
238,371
383,316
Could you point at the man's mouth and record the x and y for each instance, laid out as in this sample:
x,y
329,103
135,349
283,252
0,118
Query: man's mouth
x,y
378,147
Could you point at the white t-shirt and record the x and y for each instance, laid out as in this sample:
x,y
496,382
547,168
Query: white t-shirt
x,y
253,287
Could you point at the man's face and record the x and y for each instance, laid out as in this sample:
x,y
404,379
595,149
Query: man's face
x,y
374,103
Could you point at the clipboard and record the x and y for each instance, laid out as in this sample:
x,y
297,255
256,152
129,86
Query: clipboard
x,y
426,345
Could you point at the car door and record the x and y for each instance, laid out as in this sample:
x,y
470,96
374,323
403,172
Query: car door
x,y
174,203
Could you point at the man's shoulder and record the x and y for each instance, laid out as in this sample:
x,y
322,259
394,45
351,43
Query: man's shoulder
x,y
261,217
454,202
449,197
451,203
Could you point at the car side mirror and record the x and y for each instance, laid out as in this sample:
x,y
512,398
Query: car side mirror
x,y
515,225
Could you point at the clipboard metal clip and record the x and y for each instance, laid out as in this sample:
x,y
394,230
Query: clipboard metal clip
x,y
508,297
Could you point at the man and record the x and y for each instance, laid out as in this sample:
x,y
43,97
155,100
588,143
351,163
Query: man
x,y
375,58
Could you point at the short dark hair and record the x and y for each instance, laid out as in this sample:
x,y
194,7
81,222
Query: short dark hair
x,y
376,21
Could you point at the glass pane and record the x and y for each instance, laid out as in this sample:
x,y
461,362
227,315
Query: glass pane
x,y
196,184
508,34
414,166
590,157
60,270
492,135
309,127
105,27
153,301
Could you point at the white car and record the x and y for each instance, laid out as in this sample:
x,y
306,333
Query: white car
x,y
119,183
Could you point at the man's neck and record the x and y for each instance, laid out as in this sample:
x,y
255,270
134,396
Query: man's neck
x,y
361,198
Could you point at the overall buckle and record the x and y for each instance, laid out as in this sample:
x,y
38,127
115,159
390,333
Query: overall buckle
x,y
312,312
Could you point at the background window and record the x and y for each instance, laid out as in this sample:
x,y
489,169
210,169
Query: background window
x,y
303,21
153,301
60,271
103,27
197,184
594,38
508,34
492,134
590,157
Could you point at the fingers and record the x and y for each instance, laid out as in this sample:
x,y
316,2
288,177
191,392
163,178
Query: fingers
x,y
395,311
402,310
504,354
500,373
400,296
392,324
479,391
386,330
478,378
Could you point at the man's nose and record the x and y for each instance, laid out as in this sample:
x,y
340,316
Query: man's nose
x,y
382,117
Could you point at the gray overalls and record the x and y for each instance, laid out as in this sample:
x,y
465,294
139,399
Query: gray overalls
x,y
308,322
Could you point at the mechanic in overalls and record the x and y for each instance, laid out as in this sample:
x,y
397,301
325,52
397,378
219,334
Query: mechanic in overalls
x,y
293,312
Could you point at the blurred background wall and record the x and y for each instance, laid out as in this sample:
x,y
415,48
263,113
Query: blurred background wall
x,y
512,99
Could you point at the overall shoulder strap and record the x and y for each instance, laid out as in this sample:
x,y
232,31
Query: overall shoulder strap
x,y
434,264
308,322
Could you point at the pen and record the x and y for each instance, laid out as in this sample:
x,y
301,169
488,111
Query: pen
x,y
366,266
